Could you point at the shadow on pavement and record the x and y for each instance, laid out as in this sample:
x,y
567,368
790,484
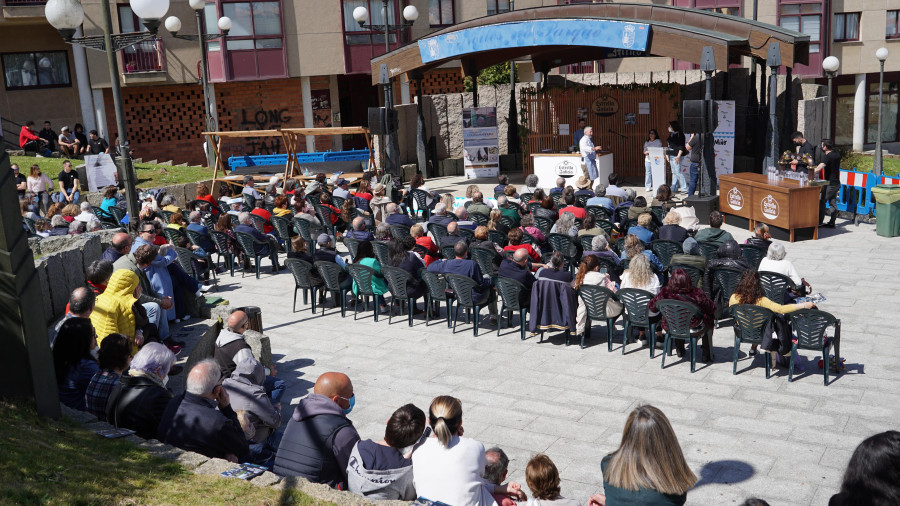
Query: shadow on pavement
x,y
725,472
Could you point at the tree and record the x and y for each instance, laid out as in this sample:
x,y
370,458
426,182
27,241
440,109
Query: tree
x,y
495,74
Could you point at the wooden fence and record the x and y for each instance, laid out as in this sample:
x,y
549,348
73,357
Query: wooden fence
x,y
620,117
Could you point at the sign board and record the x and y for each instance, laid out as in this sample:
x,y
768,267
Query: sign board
x,y
564,129
481,149
605,106
657,166
101,171
723,136
536,33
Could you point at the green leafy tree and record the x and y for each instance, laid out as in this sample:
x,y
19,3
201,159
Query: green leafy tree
x,y
495,74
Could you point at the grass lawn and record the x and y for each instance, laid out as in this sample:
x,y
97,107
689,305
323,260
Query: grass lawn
x,y
864,163
148,175
60,462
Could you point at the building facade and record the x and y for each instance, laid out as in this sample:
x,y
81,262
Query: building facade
x,y
305,63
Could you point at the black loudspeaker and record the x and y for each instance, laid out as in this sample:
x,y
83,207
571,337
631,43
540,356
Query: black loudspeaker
x,y
692,117
703,206
391,121
376,120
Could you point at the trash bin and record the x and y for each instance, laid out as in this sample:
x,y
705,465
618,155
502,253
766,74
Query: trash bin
x,y
887,201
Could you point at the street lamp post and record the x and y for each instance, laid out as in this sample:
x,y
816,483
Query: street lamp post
x,y
389,139
830,65
173,25
67,15
881,54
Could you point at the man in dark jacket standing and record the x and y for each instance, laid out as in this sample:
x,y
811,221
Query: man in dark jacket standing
x,y
319,437
192,422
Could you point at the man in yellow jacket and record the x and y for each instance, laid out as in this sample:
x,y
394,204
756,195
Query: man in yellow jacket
x,y
114,308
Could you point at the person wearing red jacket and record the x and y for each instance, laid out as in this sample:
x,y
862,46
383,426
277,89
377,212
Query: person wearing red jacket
x,y
30,141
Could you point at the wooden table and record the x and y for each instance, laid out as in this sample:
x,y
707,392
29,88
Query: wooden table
x,y
783,203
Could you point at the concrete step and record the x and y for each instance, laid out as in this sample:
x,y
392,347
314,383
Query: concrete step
x,y
181,165
151,161
137,160
167,163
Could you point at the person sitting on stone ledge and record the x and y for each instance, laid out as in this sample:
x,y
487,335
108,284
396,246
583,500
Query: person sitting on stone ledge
x,y
113,358
495,472
87,214
358,230
542,478
138,400
168,204
154,303
74,362
202,420
319,437
119,246
117,311
60,226
450,468
77,228
81,305
383,469
231,349
259,416
98,274
714,233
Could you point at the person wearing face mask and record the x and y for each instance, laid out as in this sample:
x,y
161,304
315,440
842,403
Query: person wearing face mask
x,y
231,349
319,438
74,361
138,401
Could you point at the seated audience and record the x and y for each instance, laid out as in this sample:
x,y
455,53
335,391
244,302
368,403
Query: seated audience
x,y
114,311
516,268
318,419
439,215
663,197
418,183
565,225
452,236
204,194
113,359
59,226
483,294
584,187
515,237
729,257
74,362
168,204
568,199
450,468
495,473
531,183
872,477
383,469
681,288
495,223
560,186
365,256
648,467
81,304
139,399
418,233
202,420
642,230
402,256
510,209
483,241
512,196
249,189
503,181
259,416
358,230
177,222
478,205
638,208
589,227
750,291
527,224
109,198
542,478
634,246
555,269
600,198
547,210
396,217
691,256
139,262
589,274
300,250
639,275
379,202
761,236
462,218
714,233
231,348
775,262
269,246
672,229
613,190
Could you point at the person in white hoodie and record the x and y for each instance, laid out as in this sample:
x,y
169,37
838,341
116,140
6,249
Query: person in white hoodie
x,y
383,469
449,468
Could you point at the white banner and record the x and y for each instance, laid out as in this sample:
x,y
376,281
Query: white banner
x,y
657,166
100,171
723,136
481,151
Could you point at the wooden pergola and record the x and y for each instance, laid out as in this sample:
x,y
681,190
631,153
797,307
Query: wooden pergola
x,y
291,138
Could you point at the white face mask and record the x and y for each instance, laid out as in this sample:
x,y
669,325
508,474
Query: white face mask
x,y
670,130
95,352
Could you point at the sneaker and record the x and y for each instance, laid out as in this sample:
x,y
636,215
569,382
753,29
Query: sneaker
x,y
205,288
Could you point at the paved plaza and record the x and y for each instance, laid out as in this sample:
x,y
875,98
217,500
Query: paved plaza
x,y
743,435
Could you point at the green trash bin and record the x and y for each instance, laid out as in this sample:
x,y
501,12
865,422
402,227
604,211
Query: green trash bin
x,y
887,201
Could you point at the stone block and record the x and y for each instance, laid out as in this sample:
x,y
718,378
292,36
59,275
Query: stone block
x,y
82,417
660,77
163,450
56,276
73,266
34,244
409,170
105,238
606,78
91,250
454,125
43,281
191,460
642,77
214,467
176,192
677,76
625,78
95,198
188,192
266,479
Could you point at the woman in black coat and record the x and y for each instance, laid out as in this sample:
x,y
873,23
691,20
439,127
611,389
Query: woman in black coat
x,y
401,256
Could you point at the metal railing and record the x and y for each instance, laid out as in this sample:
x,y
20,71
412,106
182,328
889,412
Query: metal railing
x,y
147,56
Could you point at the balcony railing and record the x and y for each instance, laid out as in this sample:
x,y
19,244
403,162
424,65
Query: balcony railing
x,y
147,56
22,3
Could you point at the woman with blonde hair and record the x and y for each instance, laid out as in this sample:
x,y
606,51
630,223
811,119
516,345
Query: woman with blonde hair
x,y
672,229
494,222
70,211
648,467
635,247
449,467
589,274
640,275
449,201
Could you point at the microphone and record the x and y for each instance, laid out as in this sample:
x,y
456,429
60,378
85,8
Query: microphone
x,y
617,133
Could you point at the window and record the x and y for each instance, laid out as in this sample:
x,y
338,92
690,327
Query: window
x,y
890,94
892,30
440,12
355,34
728,7
255,25
48,69
146,56
805,18
497,7
846,26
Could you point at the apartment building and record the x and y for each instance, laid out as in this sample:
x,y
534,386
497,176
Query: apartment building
x,y
294,63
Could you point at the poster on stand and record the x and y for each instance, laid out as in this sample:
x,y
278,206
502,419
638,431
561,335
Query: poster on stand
x,y
101,171
481,150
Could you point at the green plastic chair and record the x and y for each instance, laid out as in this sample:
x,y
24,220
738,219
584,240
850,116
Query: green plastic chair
x,y
437,292
302,272
382,254
664,250
485,259
397,280
775,285
695,273
750,321
753,254
399,231
479,219
710,250
248,245
173,234
462,289
810,326
362,277
438,231
595,298
509,291
543,224
330,273
678,315
222,249
598,212
637,314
